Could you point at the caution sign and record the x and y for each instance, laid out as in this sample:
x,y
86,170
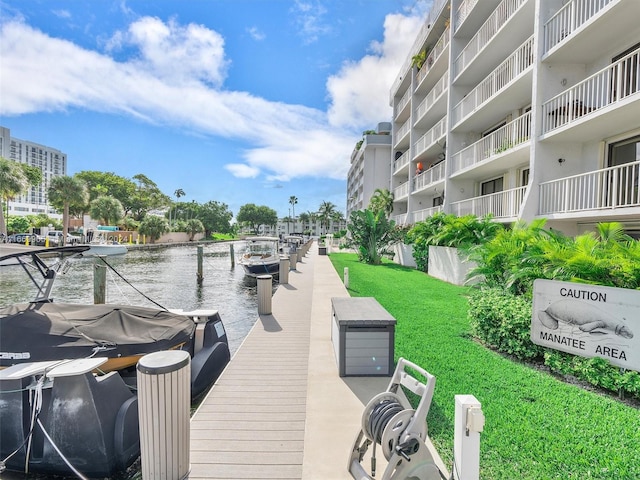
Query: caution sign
x,y
588,320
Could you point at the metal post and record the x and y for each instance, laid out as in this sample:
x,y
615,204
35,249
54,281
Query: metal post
x,y
164,401
346,277
264,294
99,281
232,255
283,274
469,422
200,275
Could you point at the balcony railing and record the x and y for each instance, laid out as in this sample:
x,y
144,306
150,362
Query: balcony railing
x,y
508,70
434,55
463,10
403,131
606,87
403,102
502,140
401,219
505,204
568,19
437,90
485,33
401,161
608,188
401,192
431,137
429,176
422,215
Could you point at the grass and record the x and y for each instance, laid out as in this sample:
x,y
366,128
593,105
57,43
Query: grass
x,y
537,427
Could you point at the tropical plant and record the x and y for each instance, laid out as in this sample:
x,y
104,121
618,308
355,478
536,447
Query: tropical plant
x,y
325,214
215,217
13,181
64,193
381,201
371,234
17,224
194,226
153,227
293,200
106,209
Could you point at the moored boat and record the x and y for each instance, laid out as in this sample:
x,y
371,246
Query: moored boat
x,y
59,403
260,256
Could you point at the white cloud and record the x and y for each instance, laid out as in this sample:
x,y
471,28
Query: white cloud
x,y
309,19
256,34
359,92
241,170
61,13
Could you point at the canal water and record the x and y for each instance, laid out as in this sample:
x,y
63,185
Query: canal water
x,y
168,276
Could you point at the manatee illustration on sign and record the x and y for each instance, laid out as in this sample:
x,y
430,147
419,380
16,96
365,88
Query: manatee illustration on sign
x,y
586,317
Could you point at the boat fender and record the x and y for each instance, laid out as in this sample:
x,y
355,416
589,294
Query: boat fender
x,y
206,367
126,440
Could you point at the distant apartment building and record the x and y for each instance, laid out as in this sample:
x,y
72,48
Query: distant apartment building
x,y
51,161
521,109
369,169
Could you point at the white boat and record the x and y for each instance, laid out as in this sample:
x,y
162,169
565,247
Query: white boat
x,y
260,256
100,245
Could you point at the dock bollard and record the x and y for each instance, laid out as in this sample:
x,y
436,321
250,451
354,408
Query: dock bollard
x,y
264,294
164,401
283,274
293,259
346,277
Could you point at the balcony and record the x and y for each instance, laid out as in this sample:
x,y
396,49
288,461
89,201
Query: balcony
x,y
434,55
401,137
401,162
434,103
400,219
614,84
505,139
463,10
400,113
401,192
430,176
517,63
430,139
422,215
605,189
502,205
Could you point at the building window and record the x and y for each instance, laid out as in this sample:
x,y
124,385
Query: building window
x,y
524,177
491,186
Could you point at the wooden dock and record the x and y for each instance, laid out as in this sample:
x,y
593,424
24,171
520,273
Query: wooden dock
x,y
280,410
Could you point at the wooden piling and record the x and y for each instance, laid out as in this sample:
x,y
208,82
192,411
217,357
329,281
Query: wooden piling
x,y
200,274
99,281
232,254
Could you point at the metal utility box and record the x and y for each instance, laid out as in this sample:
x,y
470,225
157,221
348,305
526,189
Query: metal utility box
x,y
363,335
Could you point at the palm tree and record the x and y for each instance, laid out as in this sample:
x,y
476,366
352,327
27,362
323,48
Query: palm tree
x,y
381,202
65,192
325,214
12,182
178,193
292,201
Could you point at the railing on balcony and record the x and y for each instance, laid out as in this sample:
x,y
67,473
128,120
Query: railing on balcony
x,y
434,13
568,19
463,10
429,176
606,87
608,188
434,55
403,102
401,192
403,130
401,161
485,33
514,65
431,137
437,90
502,140
422,215
401,219
505,204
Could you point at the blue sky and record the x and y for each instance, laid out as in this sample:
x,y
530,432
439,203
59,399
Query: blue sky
x,y
237,101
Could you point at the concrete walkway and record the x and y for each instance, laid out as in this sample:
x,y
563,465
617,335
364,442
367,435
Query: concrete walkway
x,y
280,409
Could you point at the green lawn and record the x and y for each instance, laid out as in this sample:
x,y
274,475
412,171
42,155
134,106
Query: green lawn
x,y
537,427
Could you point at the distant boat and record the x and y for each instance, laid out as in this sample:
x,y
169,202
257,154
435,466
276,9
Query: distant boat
x,y
260,256
100,245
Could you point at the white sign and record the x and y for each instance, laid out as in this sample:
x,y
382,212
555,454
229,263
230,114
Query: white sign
x,y
588,320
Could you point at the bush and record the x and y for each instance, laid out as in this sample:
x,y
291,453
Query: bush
x,y
503,321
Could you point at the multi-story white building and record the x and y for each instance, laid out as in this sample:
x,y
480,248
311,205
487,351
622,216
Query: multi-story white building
x,y
51,161
369,168
521,109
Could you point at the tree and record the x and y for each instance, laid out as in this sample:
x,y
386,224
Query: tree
x,y
325,214
381,201
106,209
178,193
153,227
17,224
254,216
215,217
13,181
147,197
293,200
66,192
372,234
109,184
194,226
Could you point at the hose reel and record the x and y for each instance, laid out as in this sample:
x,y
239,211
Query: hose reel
x,y
389,421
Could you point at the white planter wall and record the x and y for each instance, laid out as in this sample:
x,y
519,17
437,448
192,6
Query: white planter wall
x,y
445,264
404,255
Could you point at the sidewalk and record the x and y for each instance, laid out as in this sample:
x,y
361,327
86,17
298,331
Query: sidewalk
x,y
280,409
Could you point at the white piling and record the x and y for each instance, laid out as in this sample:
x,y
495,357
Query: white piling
x,y
164,400
283,274
346,277
469,422
293,259
264,294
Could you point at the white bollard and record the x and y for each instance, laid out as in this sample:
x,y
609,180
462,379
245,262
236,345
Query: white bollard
x,y
346,277
283,273
164,401
469,422
264,294
293,258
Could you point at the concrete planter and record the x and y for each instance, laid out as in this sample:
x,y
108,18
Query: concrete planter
x,y
403,255
445,263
